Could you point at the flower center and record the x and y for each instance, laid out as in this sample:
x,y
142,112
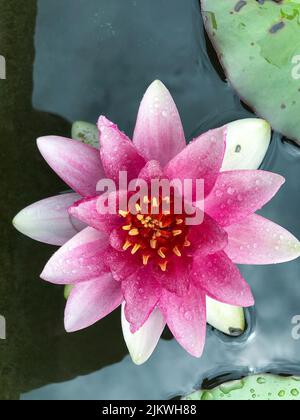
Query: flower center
x,y
156,234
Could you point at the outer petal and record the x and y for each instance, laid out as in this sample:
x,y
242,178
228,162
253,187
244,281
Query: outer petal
x,y
259,241
86,210
48,220
221,280
91,301
158,133
186,318
142,344
226,318
141,293
78,164
247,144
78,260
200,160
118,152
238,194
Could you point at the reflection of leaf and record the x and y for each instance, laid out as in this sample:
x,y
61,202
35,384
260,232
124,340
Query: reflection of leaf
x,y
257,45
259,387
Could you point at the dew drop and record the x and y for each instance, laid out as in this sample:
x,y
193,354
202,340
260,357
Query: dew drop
x,y
207,396
219,193
188,316
295,392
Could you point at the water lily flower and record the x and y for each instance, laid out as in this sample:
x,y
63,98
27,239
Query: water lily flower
x,y
158,268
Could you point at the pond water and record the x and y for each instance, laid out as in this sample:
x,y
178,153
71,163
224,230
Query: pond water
x,y
98,57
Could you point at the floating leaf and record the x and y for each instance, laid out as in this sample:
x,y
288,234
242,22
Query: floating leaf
x,y
86,133
259,47
258,387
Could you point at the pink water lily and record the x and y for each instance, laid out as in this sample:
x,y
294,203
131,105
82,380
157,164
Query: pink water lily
x,y
157,267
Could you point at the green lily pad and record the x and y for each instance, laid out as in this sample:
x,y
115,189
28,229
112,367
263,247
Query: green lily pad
x,y
258,387
258,44
86,133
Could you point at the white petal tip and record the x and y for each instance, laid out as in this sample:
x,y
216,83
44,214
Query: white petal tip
x,y
157,88
44,144
69,327
41,142
139,361
23,223
142,344
247,144
228,319
17,222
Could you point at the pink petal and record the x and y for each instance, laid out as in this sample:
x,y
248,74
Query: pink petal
x,y
91,301
259,241
152,170
48,220
78,164
122,264
208,237
158,133
142,344
200,160
78,260
238,194
177,277
221,280
141,293
86,210
118,152
186,318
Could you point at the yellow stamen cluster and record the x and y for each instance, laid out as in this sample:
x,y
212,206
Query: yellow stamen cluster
x,y
155,235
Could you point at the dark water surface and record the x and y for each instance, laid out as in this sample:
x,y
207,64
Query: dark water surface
x,y
97,57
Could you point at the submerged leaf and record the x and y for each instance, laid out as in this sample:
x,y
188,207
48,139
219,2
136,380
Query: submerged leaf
x,y
259,47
